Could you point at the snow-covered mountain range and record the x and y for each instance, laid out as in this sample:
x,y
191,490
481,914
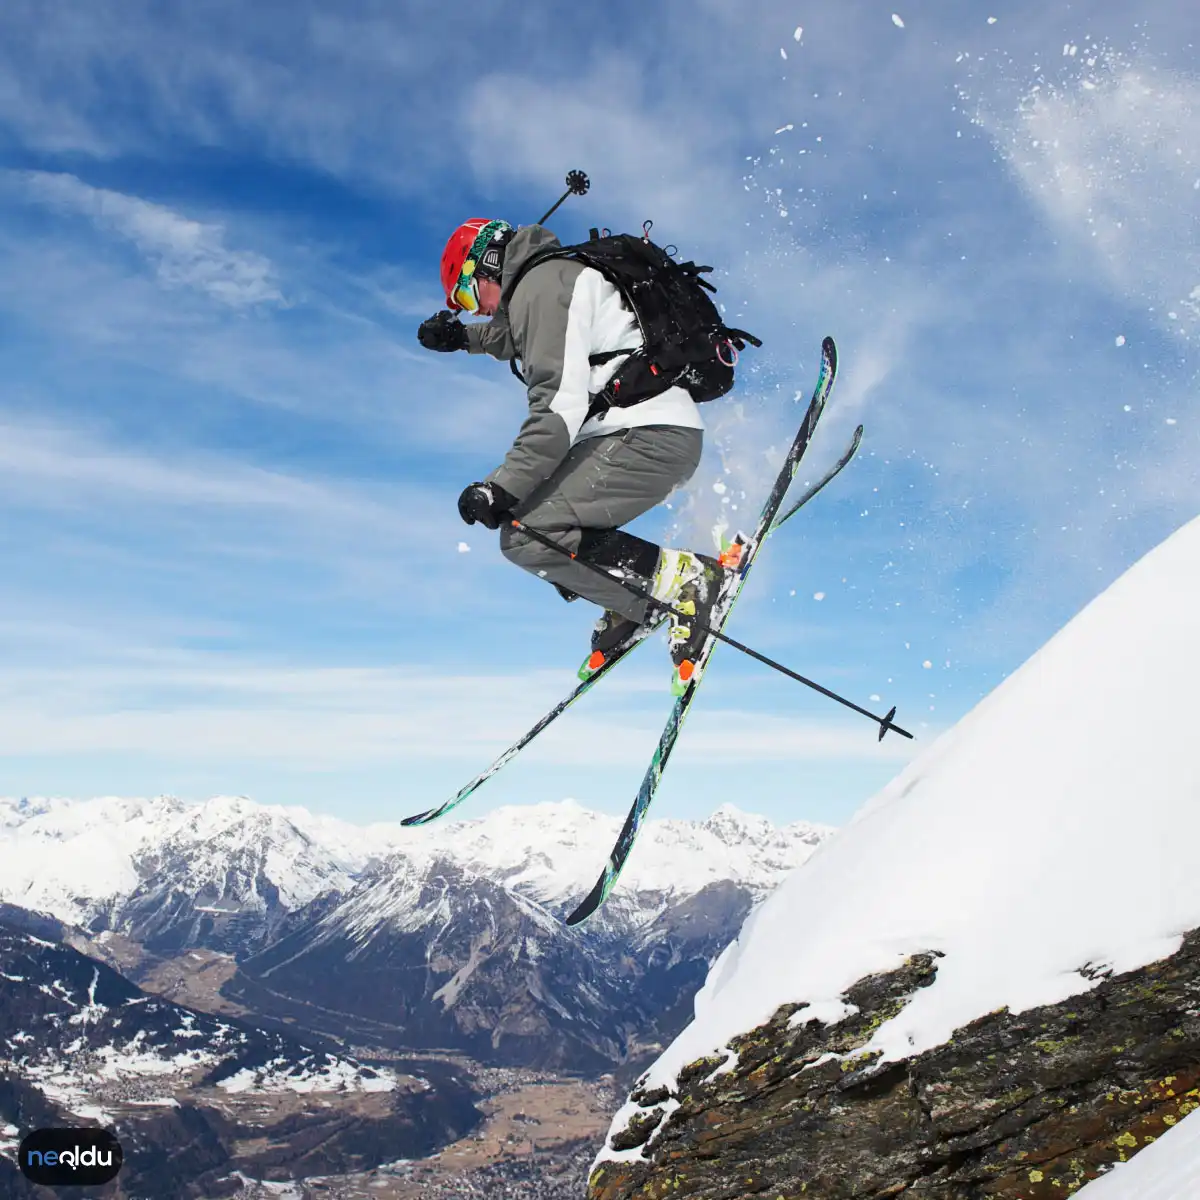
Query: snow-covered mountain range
x,y
1042,850
117,859
447,936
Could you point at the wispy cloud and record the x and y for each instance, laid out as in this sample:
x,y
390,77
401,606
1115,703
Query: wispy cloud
x,y
651,154
52,466
212,709
344,350
183,251
95,521
346,92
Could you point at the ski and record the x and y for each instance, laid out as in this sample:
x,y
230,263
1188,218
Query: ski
x,y
620,853
833,471
616,656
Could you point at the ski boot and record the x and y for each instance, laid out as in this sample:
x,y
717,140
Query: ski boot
x,y
691,584
610,633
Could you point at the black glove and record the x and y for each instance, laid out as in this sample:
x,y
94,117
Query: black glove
x,y
485,503
443,332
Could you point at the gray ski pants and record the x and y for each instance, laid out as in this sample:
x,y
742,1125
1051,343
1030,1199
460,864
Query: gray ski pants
x,y
603,483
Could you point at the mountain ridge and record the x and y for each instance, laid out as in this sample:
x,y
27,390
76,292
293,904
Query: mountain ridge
x,y
384,936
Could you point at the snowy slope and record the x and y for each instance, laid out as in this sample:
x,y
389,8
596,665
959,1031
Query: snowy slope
x,y
1168,1169
1049,830
69,858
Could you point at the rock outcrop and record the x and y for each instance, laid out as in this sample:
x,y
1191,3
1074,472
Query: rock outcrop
x,y
1015,1106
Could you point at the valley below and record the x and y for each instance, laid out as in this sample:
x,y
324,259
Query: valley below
x,y
263,1003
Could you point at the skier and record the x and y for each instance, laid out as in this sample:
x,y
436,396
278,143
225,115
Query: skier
x,y
578,470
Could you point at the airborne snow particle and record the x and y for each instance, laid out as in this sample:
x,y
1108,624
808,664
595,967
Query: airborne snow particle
x,y
463,548
897,21
927,664
719,488
991,20
782,52
818,595
799,33
1120,339
784,128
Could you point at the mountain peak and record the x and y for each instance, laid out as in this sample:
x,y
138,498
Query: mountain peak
x,y
732,825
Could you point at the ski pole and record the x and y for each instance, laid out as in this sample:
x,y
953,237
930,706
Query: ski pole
x,y
577,184
885,723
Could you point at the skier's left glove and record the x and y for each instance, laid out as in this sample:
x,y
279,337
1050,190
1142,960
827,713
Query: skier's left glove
x,y
486,503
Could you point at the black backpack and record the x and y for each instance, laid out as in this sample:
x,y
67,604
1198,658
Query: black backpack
x,y
685,342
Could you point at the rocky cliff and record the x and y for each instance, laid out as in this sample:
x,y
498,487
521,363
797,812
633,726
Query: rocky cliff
x,y
1015,1106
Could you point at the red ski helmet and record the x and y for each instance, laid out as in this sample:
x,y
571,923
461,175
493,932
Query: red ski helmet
x,y
475,249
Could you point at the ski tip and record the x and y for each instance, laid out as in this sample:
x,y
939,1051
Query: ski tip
x,y
418,819
592,901
589,904
829,350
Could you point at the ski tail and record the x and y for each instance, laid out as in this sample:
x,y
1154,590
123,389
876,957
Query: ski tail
x,y
619,654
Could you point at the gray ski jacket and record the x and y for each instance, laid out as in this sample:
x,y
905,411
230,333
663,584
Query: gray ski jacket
x,y
561,313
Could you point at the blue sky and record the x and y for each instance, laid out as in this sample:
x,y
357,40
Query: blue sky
x,y
230,472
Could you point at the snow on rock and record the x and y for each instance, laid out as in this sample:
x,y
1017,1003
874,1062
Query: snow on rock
x,y
1168,1169
1045,832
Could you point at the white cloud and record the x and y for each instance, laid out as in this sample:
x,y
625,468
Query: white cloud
x,y
650,154
209,708
215,532
347,92
52,466
184,252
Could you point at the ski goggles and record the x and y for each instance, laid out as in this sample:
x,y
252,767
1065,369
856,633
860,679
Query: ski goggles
x,y
465,296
